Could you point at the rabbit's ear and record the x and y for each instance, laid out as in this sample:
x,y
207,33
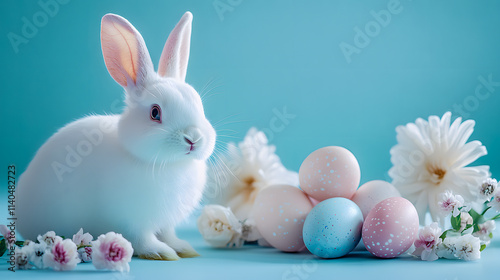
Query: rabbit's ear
x,y
175,55
125,52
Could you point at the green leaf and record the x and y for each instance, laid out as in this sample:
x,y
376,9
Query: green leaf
x,y
20,243
468,226
455,222
496,217
491,235
482,247
445,233
478,218
3,248
485,210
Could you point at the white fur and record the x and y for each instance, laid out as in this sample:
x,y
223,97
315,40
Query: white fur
x,y
137,179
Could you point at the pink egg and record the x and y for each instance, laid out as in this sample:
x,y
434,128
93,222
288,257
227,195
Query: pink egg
x,y
390,228
330,172
280,212
373,192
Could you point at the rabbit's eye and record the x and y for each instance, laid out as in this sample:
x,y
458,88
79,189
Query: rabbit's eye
x,y
155,114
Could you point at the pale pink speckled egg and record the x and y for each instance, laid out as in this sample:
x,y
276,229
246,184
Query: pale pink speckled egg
x,y
371,193
330,172
390,228
279,212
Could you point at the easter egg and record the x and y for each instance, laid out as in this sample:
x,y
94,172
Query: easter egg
x,y
390,228
279,213
373,192
333,228
330,172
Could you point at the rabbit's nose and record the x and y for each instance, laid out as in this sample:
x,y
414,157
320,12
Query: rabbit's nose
x,y
192,136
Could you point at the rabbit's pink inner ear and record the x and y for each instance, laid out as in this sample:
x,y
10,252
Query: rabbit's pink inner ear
x,y
120,48
175,55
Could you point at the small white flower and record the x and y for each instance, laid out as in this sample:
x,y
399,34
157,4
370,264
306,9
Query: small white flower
x,y
220,227
447,248
112,251
450,203
495,202
485,232
488,189
465,219
22,257
85,254
244,171
62,256
433,156
427,243
82,239
468,248
49,239
37,251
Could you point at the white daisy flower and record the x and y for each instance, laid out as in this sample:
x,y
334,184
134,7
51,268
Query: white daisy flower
x,y
432,157
247,168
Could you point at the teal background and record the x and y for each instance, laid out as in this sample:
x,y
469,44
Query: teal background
x,y
262,56
265,55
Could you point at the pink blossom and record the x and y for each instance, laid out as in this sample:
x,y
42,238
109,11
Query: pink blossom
x,y
485,231
85,254
62,256
450,203
495,202
82,239
10,238
112,251
427,242
49,239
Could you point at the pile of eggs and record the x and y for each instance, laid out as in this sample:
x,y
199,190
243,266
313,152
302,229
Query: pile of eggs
x,y
330,214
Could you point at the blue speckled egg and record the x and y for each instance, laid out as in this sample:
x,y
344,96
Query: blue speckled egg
x,y
333,228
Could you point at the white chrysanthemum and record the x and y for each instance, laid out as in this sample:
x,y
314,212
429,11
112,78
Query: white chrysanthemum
x,y
252,166
432,157
220,227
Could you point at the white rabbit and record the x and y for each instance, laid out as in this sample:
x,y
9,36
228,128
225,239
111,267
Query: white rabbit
x,y
139,173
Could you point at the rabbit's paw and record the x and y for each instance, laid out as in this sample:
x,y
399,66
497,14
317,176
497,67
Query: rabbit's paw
x,y
160,256
153,249
182,247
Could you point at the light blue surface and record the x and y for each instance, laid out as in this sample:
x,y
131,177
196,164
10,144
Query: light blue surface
x,y
260,58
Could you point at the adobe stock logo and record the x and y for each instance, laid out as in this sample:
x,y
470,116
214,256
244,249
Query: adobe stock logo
x,y
362,37
30,27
